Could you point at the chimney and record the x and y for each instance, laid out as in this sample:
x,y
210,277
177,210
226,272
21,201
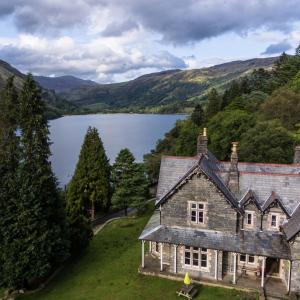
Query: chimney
x,y
233,179
297,155
202,143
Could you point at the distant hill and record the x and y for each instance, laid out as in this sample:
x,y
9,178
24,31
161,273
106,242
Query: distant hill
x,y
63,83
56,105
162,88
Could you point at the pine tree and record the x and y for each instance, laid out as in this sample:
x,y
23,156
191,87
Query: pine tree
x,y
38,235
297,52
214,104
9,160
198,115
130,183
88,189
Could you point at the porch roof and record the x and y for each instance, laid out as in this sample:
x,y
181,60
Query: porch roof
x,y
249,242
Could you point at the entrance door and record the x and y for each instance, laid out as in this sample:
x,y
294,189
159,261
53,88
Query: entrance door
x,y
272,266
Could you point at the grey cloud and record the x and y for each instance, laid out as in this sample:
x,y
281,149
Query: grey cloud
x,y
278,48
190,20
176,20
117,29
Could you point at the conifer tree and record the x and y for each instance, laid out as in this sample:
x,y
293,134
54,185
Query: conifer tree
x,y
38,234
214,104
9,160
130,183
198,115
88,189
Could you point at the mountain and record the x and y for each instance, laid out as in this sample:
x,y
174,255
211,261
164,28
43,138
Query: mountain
x,y
63,83
159,89
56,105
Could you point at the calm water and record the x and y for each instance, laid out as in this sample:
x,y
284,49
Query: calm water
x,y
137,132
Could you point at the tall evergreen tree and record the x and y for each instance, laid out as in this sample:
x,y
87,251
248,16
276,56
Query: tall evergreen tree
x,y
38,234
130,183
198,115
214,104
89,188
9,160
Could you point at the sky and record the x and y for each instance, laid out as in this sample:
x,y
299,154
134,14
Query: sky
x,y
118,40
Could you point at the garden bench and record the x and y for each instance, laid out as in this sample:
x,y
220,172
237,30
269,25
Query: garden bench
x,y
188,292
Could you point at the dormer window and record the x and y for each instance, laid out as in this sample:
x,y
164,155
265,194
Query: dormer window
x,y
274,221
197,212
249,218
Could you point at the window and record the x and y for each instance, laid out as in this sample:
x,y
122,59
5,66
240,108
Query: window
x,y
249,218
197,212
247,259
243,258
156,247
251,259
274,221
195,257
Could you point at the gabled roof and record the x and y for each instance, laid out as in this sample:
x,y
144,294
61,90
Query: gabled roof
x,y
250,196
274,198
172,169
206,164
292,226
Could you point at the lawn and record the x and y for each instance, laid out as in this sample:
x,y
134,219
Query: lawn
x,y
108,270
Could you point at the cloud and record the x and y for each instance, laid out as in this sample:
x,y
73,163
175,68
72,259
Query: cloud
x,y
176,21
277,48
117,29
93,60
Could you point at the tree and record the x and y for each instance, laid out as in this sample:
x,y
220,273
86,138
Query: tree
x,y
37,239
297,52
267,142
231,93
198,115
9,161
88,189
225,127
213,105
130,183
283,105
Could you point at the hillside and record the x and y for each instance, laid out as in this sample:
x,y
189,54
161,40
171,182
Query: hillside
x,y
163,88
56,106
63,83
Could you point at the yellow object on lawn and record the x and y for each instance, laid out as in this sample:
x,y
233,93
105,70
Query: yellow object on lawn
x,y
187,279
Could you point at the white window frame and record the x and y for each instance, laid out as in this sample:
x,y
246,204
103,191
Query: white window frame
x,y
277,220
247,259
249,212
197,211
199,252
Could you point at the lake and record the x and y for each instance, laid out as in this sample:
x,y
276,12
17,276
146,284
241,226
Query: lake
x,y
138,132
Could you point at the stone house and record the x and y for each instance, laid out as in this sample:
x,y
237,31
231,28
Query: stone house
x,y
226,220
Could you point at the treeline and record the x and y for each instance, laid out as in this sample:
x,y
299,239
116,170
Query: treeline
x,y
40,225
260,110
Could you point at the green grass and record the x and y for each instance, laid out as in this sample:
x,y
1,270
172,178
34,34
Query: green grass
x,y
108,270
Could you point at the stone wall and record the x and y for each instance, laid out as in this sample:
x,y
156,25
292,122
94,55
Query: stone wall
x,y
267,218
295,272
220,215
256,217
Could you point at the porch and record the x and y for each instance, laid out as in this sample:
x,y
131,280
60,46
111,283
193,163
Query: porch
x,y
273,287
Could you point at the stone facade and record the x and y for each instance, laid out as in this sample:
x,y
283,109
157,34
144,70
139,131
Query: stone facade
x,y
295,272
219,214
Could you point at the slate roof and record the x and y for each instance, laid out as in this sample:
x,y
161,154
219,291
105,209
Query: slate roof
x,y
292,227
172,169
248,242
262,182
209,166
